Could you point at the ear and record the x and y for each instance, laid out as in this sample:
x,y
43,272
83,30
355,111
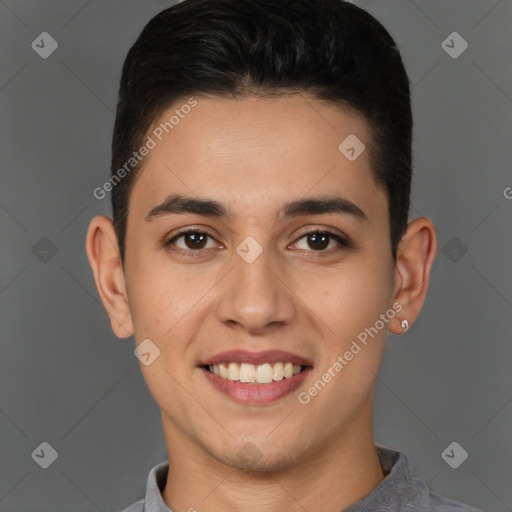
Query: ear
x,y
102,250
415,255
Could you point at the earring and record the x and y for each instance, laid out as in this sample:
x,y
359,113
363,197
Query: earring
x,y
405,325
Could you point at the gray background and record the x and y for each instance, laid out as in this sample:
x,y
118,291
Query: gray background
x,y
67,380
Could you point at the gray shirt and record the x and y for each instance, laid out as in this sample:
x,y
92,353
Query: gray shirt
x,y
400,491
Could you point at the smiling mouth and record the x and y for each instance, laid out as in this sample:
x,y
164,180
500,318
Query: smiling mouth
x,y
255,374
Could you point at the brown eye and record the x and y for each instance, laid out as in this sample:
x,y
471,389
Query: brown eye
x,y
194,240
319,241
189,242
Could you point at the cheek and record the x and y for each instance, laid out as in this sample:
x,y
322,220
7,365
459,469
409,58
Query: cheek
x,y
159,296
353,298
168,307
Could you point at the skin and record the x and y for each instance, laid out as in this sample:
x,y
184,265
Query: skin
x,y
254,155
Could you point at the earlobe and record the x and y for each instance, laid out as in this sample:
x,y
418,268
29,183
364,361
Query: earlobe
x,y
103,253
415,256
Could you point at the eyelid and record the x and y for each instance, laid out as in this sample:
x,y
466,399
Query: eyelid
x,y
322,229
189,229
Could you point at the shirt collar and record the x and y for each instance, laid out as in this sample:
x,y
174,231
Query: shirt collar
x,y
396,487
156,482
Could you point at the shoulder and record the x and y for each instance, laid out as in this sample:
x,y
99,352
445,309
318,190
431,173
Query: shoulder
x,y
135,507
440,503
401,490
420,498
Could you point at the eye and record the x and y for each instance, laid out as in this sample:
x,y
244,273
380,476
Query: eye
x,y
192,240
320,241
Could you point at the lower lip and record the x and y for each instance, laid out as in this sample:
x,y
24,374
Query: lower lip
x,y
256,394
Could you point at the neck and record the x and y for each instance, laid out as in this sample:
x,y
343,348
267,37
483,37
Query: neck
x,y
336,475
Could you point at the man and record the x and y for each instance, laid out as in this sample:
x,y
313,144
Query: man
x,y
260,252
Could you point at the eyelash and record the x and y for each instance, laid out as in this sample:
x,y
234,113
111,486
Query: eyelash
x,y
344,243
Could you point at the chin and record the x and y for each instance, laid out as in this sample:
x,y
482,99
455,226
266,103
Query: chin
x,y
247,456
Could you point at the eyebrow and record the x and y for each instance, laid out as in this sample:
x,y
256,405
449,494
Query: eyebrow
x,y
179,204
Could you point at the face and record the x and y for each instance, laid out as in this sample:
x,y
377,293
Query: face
x,y
259,283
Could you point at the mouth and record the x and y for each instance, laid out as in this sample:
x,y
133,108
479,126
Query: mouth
x,y
256,378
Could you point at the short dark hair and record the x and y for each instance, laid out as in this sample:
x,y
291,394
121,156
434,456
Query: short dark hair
x,y
331,49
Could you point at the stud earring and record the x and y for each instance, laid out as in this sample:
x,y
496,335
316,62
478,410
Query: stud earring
x,y
405,325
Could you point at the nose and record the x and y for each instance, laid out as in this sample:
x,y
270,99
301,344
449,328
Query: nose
x,y
256,297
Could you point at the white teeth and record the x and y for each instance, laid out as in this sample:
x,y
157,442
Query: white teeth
x,y
278,371
233,371
264,373
249,373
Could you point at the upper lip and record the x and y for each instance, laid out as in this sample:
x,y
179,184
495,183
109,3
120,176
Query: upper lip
x,y
255,358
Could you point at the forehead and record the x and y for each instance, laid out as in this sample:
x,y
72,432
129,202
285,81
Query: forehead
x,y
257,152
